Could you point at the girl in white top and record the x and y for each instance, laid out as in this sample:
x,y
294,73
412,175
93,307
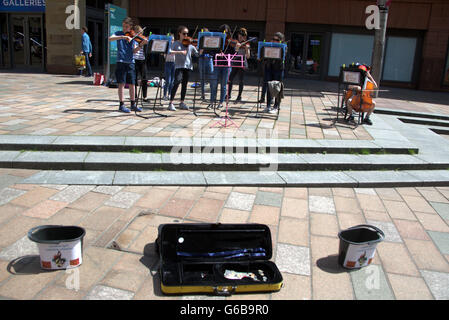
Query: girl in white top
x,y
183,66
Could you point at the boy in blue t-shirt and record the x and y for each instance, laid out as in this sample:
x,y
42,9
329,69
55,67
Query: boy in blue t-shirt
x,y
126,71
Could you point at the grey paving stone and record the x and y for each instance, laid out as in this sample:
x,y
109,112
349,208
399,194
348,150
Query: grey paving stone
x,y
80,119
241,178
111,190
293,259
386,134
8,156
71,193
9,194
72,177
43,159
347,144
441,208
389,144
435,158
172,178
317,179
7,180
370,283
123,200
20,248
389,229
430,177
441,240
90,140
100,292
438,283
320,204
120,160
26,140
393,159
269,199
383,178
240,201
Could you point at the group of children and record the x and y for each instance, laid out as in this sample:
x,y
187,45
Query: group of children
x,y
179,64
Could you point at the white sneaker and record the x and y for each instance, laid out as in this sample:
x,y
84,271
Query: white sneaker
x,y
171,107
220,106
273,111
183,106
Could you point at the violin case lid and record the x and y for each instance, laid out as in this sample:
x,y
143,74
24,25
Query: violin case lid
x,y
195,258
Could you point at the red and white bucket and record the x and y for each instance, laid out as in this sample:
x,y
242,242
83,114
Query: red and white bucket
x,y
98,79
358,245
60,247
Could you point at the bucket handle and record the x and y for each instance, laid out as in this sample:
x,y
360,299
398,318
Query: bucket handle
x,y
380,232
33,230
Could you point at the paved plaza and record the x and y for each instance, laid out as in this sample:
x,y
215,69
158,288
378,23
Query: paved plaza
x,y
121,219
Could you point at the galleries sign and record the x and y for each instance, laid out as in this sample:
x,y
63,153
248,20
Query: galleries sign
x,y
22,5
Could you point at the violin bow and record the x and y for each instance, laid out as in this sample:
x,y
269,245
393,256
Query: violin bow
x,y
138,34
232,35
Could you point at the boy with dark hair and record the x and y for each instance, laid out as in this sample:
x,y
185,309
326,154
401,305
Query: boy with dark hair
x,y
273,70
125,72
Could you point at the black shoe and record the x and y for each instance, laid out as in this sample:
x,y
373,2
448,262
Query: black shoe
x,y
262,100
368,121
239,98
350,118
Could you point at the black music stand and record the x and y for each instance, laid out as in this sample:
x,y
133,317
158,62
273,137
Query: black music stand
x,y
211,43
158,45
351,75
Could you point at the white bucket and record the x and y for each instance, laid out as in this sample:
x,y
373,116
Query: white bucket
x,y
60,247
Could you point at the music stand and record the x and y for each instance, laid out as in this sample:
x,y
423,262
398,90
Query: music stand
x,y
159,45
227,61
351,75
269,51
211,43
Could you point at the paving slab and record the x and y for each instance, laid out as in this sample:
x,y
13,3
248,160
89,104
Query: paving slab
x,y
241,178
318,179
158,178
438,283
50,160
381,179
441,240
71,177
441,208
430,177
370,283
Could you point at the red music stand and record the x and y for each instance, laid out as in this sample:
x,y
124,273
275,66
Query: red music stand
x,y
227,61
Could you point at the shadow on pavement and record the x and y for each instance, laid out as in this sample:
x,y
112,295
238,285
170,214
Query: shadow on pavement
x,y
26,265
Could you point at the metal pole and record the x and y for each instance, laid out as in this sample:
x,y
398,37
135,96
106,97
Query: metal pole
x,y
379,43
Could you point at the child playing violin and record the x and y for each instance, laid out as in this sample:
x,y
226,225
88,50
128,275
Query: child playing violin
x,y
125,70
354,101
140,61
243,50
183,65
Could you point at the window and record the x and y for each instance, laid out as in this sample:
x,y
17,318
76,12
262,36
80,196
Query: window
x,y
348,48
399,59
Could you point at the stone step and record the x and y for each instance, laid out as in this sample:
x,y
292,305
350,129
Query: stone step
x,y
415,114
352,179
208,145
122,161
425,122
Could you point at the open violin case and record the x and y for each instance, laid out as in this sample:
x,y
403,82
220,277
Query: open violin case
x,y
217,259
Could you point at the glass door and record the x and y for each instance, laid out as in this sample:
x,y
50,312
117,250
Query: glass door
x,y
4,47
305,55
19,41
35,42
28,49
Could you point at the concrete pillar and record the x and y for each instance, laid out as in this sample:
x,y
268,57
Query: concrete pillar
x,y
62,43
379,44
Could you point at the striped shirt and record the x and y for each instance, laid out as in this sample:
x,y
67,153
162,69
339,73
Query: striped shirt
x,y
139,55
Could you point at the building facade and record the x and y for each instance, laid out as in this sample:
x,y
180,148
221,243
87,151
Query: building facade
x,y
321,34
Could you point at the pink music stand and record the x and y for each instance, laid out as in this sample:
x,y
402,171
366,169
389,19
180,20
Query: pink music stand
x,y
227,61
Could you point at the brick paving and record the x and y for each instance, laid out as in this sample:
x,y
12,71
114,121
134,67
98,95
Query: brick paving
x,y
43,104
412,262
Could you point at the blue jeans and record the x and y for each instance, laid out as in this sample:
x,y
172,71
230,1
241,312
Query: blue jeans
x,y
221,75
169,77
88,66
206,68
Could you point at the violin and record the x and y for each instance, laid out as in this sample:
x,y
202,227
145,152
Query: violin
x,y
233,43
138,37
187,41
